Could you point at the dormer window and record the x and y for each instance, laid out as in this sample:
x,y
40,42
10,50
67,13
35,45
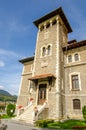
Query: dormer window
x,y
76,57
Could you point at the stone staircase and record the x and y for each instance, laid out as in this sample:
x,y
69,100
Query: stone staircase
x,y
28,115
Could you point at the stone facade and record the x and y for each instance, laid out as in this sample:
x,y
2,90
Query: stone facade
x,y
48,75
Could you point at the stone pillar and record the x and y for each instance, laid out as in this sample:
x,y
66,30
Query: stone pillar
x,y
58,65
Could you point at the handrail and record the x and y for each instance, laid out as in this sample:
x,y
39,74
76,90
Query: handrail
x,y
24,109
38,111
42,108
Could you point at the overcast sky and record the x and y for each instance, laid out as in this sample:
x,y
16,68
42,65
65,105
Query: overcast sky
x,y
18,33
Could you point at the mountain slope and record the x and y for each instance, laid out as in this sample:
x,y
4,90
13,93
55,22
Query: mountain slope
x,y
4,92
6,96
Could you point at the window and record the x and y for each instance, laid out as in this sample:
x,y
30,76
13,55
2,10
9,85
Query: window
x,y
76,104
43,51
42,27
75,81
76,57
49,50
48,25
70,58
46,50
54,22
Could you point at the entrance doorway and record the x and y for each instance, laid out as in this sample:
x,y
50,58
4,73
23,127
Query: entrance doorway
x,y
42,94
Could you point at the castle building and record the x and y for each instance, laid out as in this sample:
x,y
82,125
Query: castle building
x,y
54,79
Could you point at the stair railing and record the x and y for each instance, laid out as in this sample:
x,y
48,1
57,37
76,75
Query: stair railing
x,y
38,111
23,109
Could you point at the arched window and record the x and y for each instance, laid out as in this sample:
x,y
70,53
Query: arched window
x,y
43,51
41,28
70,58
54,22
76,57
76,104
47,25
48,50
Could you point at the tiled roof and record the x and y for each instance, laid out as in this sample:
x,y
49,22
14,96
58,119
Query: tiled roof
x,y
42,76
73,45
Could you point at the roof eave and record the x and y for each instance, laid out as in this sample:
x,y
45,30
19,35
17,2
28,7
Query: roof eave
x,y
53,13
26,59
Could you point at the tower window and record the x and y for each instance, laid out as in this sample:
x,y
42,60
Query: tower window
x,y
48,25
42,27
49,50
54,22
76,104
43,51
76,57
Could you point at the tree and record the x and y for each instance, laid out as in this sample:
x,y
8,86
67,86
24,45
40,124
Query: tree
x,y
10,109
84,112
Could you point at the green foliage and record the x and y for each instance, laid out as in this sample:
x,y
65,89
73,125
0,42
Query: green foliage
x,y
68,124
43,123
84,112
6,98
10,109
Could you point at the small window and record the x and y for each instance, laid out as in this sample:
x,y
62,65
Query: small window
x,y
70,58
42,27
54,22
76,57
75,82
43,51
76,104
48,25
49,50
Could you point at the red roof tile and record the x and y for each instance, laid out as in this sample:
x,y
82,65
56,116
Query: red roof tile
x,y
41,76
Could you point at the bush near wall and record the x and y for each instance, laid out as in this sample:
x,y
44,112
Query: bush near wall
x,y
43,123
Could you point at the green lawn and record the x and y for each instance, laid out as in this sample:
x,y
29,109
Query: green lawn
x,y
4,116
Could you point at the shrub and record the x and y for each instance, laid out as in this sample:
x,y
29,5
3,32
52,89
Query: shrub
x,y
43,123
84,112
10,109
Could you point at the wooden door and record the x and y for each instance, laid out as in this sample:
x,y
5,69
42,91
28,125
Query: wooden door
x,y
42,94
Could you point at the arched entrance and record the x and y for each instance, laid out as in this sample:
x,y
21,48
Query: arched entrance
x,y
42,94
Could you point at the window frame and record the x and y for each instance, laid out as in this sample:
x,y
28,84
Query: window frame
x,y
75,82
75,58
79,81
44,51
49,52
46,48
76,104
68,60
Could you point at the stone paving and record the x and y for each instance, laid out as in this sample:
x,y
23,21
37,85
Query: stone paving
x,y
14,125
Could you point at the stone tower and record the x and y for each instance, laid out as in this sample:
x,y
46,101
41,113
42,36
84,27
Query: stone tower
x,y
48,62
